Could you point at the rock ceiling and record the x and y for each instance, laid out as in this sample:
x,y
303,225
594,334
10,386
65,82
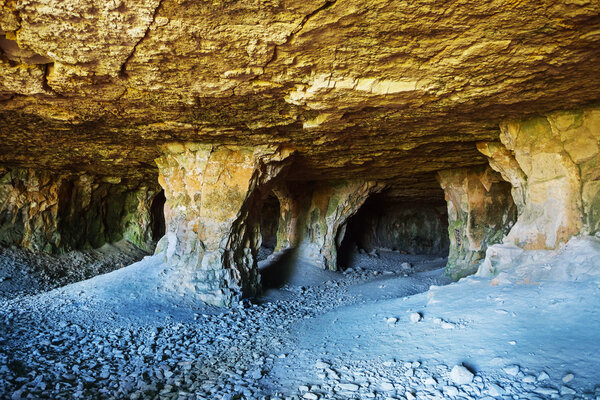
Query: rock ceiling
x,y
391,90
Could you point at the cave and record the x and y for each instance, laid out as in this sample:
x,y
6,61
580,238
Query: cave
x,y
157,213
269,223
415,230
299,200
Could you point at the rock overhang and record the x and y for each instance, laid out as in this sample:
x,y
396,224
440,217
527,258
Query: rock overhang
x,y
393,91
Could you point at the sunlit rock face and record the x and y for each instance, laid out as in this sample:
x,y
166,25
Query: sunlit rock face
x,y
553,164
381,90
59,212
480,212
212,210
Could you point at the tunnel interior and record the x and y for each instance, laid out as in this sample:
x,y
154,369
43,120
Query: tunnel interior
x,y
269,223
402,227
157,215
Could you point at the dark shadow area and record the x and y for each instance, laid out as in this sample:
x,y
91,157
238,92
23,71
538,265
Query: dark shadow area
x,y
269,223
157,212
385,224
279,271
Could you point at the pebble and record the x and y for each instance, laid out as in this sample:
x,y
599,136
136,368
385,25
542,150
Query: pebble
x,y
349,387
415,317
568,378
461,375
512,370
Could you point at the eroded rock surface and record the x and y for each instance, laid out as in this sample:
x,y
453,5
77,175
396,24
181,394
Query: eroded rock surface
x,y
553,164
480,212
40,210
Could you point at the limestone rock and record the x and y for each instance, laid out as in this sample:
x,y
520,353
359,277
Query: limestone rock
x,y
480,212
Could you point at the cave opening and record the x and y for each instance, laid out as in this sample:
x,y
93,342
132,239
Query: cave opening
x,y
157,214
269,223
387,232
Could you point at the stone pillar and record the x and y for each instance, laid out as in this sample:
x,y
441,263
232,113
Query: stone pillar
x,y
553,164
480,213
213,196
314,218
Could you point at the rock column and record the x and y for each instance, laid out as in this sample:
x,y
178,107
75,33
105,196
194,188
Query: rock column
x,y
314,218
213,196
480,212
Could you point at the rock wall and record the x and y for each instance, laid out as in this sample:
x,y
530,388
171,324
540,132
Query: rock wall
x,y
314,216
212,211
59,212
480,213
414,228
553,164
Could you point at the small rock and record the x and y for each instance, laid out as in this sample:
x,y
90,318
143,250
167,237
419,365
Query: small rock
x,y
310,396
322,364
387,386
350,387
529,379
451,391
303,388
409,396
512,370
568,378
392,320
495,390
415,317
542,376
565,390
460,375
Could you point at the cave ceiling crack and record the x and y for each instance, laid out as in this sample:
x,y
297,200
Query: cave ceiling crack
x,y
328,4
122,70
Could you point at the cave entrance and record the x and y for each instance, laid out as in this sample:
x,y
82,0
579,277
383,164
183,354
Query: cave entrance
x,y
388,233
157,213
269,223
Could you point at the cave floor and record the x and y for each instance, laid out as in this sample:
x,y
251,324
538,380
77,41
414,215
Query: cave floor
x,y
318,335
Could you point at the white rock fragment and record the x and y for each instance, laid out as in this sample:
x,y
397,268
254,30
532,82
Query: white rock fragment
x,y
303,388
460,375
495,390
392,320
310,396
568,378
512,370
529,379
450,391
349,387
542,376
409,396
565,390
387,386
415,317
322,364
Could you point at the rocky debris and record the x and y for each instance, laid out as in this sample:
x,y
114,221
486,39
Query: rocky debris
x,y
24,272
461,375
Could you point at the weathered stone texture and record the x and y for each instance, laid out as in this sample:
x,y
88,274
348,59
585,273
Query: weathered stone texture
x,y
213,196
388,90
315,216
553,164
480,212
59,212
